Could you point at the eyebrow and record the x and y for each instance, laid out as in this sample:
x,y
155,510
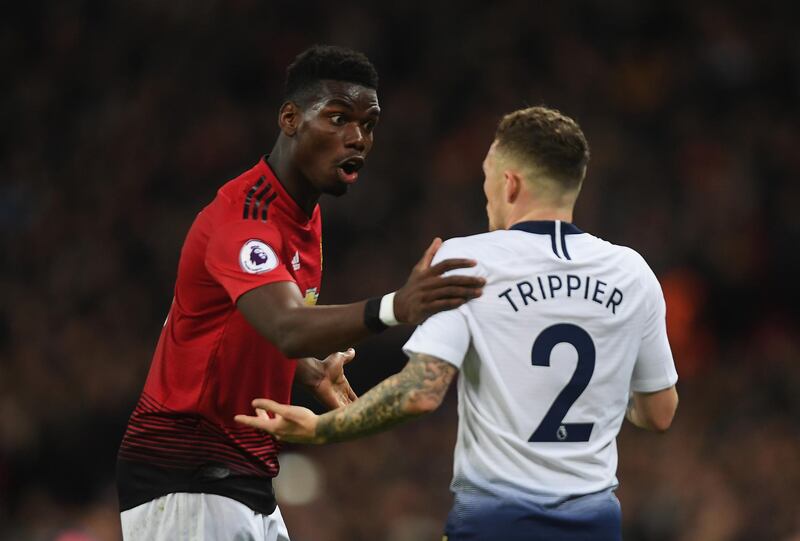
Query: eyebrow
x,y
340,102
373,110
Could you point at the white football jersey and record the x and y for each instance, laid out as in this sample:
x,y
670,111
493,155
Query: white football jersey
x,y
567,326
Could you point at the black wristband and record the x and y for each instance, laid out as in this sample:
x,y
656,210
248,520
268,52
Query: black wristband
x,y
372,319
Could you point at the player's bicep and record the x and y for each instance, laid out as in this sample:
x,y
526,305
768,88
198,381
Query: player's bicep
x,y
268,307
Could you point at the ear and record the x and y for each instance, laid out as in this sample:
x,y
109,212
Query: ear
x,y
289,118
513,186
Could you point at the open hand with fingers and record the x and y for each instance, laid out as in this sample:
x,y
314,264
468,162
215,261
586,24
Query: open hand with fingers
x,y
289,423
427,292
326,379
333,389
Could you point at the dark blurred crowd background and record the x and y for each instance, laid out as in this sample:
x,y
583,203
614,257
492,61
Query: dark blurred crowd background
x,y
121,119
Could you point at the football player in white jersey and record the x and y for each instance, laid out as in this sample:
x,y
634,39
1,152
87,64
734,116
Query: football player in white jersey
x,y
567,339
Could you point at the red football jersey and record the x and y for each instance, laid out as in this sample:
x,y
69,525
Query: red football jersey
x,y
210,362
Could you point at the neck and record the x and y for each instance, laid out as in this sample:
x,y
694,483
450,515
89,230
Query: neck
x,y
291,178
549,214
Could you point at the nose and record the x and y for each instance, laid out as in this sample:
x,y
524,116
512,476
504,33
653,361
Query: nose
x,y
356,138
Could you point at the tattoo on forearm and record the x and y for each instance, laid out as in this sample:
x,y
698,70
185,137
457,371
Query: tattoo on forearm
x,y
423,382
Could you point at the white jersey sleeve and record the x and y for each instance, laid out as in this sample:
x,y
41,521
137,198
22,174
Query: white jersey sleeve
x,y
655,368
445,335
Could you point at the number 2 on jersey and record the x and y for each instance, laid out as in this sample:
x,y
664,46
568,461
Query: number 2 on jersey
x,y
552,427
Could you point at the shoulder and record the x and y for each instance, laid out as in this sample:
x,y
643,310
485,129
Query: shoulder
x,y
625,256
636,262
489,251
474,246
631,261
237,189
241,204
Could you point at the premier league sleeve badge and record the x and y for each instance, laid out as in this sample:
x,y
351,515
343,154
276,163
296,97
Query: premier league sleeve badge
x,y
257,257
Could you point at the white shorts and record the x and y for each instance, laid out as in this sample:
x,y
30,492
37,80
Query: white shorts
x,y
200,517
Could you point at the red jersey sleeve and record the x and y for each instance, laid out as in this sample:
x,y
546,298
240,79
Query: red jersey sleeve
x,y
242,256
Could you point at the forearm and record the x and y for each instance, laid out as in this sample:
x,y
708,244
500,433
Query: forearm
x,y
387,404
653,411
635,418
316,331
299,330
418,389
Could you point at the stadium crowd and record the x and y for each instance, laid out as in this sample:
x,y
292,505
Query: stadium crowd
x,y
122,119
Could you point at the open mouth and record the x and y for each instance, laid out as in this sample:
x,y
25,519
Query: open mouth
x,y
348,169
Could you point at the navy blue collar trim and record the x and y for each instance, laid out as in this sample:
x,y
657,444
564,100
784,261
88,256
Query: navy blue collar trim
x,y
546,227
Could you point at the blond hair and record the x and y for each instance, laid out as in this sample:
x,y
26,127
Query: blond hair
x,y
544,140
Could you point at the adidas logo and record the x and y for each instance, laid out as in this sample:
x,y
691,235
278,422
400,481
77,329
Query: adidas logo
x,y
296,261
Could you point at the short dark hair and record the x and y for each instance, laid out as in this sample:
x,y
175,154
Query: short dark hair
x,y
322,62
547,139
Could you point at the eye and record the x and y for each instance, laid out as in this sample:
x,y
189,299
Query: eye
x,y
337,119
370,125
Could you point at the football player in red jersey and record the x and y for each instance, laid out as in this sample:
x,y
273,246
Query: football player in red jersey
x,y
243,321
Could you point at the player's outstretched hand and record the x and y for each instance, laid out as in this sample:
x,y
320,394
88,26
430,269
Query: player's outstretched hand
x,y
427,292
333,390
289,423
